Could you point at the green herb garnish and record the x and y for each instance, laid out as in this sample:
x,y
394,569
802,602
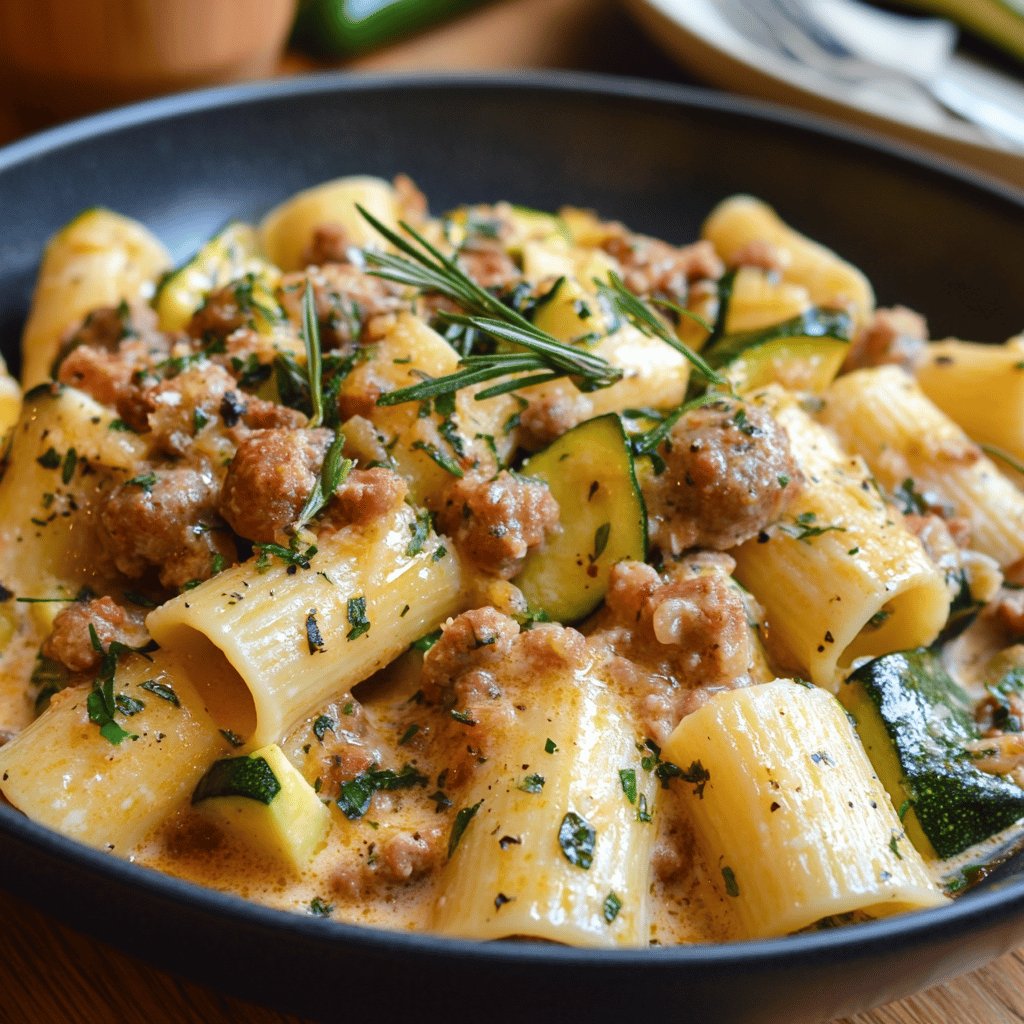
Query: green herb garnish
x,y
612,905
459,826
356,793
419,265
162,690
621,301
357,618
576,837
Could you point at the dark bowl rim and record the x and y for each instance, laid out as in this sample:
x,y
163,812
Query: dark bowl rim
x,y
993,906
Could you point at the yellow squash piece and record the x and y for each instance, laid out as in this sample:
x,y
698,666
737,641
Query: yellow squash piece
x,y
263,800
230,255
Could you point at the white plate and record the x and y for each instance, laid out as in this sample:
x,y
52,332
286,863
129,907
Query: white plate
x,y
701,37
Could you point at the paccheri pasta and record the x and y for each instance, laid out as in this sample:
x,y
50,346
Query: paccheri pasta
x,y
511,574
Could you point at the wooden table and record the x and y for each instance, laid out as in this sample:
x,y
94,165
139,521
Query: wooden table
x,y
49,973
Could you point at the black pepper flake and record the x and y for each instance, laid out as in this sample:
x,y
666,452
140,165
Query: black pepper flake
x,y
5,594
506,841
829,638
501,899
763,537
774,806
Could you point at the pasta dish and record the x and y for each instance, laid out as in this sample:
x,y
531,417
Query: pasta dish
x,y
511,574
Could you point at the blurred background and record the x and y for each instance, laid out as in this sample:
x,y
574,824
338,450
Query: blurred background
x,y
944,75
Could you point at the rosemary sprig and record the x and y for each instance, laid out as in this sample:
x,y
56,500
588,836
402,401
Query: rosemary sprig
x,y
622,301
998,453
332,475
335,468
314,356
648,442
420,265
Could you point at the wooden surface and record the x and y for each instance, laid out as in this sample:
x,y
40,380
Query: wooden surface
x,y
49,973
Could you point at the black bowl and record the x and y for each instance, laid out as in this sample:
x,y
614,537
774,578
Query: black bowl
x,y
657,157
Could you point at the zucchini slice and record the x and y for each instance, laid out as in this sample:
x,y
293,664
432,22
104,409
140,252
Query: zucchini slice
x,y
803,353
233,254
264,801
589,470
914,721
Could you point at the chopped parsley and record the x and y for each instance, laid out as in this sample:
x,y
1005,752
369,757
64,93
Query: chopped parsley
x,y
627,777
323,725
611,907
459,826
420,529
532,783
600,540
804,527
232,737
643,815
314,638
68,467
320,908
356,793
446,462
162,690
357,619
426,641
576,837
665,771
550,746
909,499
729,877
101,703
408,734
291,556
147,481
50,459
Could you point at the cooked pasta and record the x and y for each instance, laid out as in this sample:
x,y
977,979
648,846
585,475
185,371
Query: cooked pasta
x,y
460,573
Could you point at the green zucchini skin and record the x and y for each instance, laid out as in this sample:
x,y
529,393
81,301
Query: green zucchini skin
x,y
813,323
602,520
249,777
906,704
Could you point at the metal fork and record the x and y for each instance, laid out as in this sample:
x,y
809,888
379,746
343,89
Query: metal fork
x,y
795,30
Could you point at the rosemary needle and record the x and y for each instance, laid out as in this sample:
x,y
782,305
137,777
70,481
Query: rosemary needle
x,y
334,469
420,265
647,322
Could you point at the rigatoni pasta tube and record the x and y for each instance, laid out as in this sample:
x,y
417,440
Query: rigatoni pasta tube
x,y
830,280
61,444
98,259
287,231
841,577
792,818
883,415
980,388
296,636
554,849
62,773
